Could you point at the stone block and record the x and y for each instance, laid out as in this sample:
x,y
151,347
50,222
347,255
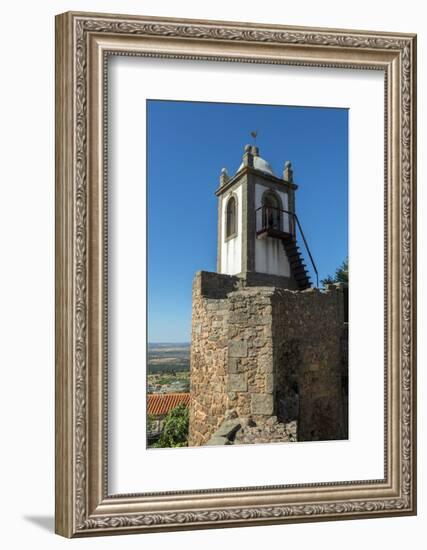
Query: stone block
x,y
237,317
228,427
232,331
238,348
265,364
212,305
233,363
262,403
237,382
269,383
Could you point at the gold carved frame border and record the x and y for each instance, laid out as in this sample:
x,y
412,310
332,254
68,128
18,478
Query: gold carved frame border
x,y
83,43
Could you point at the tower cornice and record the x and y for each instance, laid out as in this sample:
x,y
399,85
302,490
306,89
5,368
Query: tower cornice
x,y
248,170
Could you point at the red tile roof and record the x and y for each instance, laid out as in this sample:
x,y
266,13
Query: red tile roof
x,y
162,403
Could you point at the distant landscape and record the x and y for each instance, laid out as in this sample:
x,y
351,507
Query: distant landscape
x,y
168,368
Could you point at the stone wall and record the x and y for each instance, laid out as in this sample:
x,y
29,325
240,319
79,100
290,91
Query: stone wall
x,y
260,352
308,328
208,360
250,352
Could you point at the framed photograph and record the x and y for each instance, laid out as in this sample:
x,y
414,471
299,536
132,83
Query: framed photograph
x,y
235,274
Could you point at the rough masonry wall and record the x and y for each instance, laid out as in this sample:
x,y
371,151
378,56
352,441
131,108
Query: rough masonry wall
x,y
208,360
231,353
308,329
260,352
250,353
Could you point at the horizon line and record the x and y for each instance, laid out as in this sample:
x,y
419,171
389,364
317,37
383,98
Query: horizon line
x,y
170,342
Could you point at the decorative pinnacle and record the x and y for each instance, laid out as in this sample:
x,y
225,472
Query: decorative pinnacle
x,y
224,177
288,173
248,157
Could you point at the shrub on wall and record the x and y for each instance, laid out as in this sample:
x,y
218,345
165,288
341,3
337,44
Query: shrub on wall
x,y
175,431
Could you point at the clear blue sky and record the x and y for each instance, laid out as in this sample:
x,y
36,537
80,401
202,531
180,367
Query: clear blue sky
x,y
188,144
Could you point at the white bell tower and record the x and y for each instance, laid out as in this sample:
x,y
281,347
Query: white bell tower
x,y
257,225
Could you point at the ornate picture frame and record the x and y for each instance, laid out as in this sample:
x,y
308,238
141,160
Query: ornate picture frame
x,y
84,506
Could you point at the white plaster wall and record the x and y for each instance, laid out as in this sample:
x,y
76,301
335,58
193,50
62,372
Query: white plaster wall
x,y
231,249
269,254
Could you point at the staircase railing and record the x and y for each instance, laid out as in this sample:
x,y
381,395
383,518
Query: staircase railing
x,y
272,219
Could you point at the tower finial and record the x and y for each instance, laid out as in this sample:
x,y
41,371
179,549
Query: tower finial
x,y
224,177
254,134
288,173
248,158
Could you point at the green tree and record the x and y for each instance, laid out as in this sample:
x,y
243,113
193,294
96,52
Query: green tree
x,y
341,275
175,430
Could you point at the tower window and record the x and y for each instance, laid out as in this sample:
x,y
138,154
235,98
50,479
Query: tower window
x,y
231,218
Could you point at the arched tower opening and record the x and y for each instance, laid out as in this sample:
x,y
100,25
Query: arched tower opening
x,y
231,218
271,211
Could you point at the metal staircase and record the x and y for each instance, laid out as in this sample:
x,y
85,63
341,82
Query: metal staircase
x,y
298,267
270,222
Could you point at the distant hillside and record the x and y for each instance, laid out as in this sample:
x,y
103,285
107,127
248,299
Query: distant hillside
x,y
168,357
